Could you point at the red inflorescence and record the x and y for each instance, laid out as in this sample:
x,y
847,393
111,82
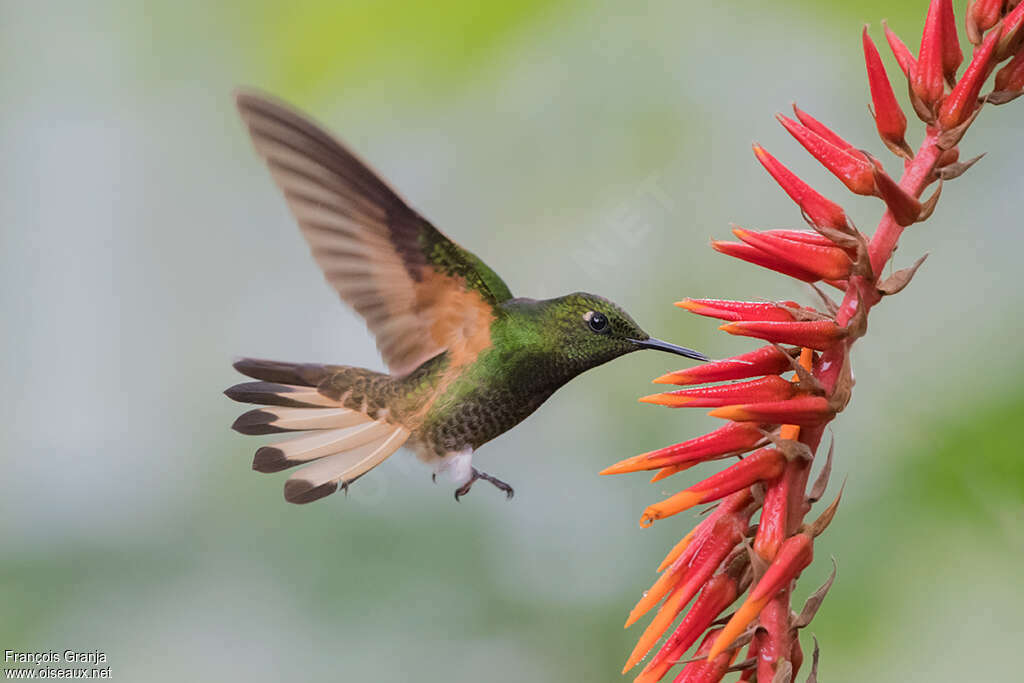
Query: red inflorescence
x,y
779,398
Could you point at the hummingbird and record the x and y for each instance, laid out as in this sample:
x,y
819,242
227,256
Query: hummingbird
x,y
467,361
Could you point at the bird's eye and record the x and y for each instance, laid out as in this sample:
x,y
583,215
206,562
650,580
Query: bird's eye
x,y
598,322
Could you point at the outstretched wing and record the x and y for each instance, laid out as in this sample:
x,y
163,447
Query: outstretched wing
x,y
420,293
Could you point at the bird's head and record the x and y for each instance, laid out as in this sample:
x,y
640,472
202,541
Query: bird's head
x,y
589,330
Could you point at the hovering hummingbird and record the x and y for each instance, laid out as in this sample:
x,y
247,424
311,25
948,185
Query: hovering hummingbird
x,y
467,360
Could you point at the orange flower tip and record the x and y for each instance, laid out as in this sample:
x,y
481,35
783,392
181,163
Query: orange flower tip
x,y
688,304
684,500
666,472
739,621
677,550
736,413
669,377
670,400
637,462
630,620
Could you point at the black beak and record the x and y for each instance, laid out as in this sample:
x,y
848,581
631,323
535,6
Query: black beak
x,y
652,343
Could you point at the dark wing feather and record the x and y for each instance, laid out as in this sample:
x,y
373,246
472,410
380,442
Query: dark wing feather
x,y
420,293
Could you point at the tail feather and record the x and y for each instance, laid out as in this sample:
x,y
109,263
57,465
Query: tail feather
x,y
319,444
323,477
342,443
303,374
275,420
286,395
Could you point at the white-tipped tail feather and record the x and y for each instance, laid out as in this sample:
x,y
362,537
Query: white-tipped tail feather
x,y
323,477
341,443
275,419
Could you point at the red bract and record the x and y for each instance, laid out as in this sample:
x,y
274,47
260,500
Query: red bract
x,y
733,438
705,671
804,411
952,56
778,412
904,208
828,263
853,169
770,388
761,465
816,334
904,57
819,211
824,131
1012,35
768,360
889,117
750,254
981,16
1010,79
962,102
927,82
718,594
739,310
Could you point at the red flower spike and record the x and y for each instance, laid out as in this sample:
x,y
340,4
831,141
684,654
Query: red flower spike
x,y
904,208
889,117
1010,78
952,56
728,506
825,132
807,411
856,172
732,438
828,263
766,360
716,546
814,334
962,102
747,253
760,465
738,310
927,81
794,556
773,480
981,16
770,388
718,594
904,57
706,671
819,211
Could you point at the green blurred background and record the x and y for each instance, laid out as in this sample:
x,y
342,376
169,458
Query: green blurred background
x,y
572,145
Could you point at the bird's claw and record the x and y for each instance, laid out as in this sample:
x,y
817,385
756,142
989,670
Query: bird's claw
x,y
477,474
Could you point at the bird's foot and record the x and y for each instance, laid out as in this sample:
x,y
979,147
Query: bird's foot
x,y
477,474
